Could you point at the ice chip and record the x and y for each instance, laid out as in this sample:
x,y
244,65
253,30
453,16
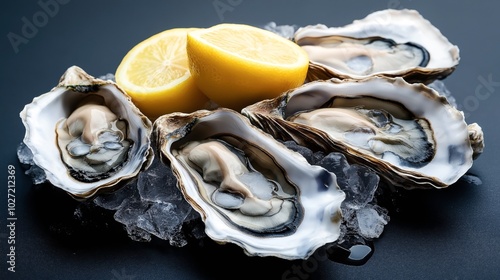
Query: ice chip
x,y
25,157
193,225
137,234
317,157
361,186
130,210
37,174
286,31
305,152
358,182
164,220
113,200
350,221
108,76
158,184
336,163
24,154
178,240
371,221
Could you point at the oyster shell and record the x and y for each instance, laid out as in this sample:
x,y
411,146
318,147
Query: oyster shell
x,y
86,134
406,132
250,189
391,43
476,138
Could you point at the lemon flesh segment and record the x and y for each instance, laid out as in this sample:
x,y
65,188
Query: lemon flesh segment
x,y
237,65
156,75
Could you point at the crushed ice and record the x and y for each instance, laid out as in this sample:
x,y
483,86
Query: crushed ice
x,y
152,205
25,157
361,215
286,31
108,77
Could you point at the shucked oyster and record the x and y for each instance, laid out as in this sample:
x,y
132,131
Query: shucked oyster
x,y
407,133
86,134
250,189
391,43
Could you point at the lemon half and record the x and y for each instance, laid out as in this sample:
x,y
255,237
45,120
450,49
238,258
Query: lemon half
x,y
236,65
156,75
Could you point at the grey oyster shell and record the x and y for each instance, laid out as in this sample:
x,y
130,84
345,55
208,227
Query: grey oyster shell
x,y
86,134
390,43
249,188
406,132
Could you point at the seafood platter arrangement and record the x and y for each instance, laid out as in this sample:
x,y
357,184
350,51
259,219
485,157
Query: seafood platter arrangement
x,y
277,140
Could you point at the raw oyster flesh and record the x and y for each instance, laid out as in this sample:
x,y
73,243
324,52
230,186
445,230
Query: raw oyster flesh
x,y
249,188
392,43
86,134
92,140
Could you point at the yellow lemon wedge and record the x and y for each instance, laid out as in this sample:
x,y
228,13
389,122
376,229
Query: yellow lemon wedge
x,y
156,75
236,65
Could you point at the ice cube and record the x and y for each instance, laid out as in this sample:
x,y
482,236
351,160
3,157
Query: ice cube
x,y
358,182
24,154
114,200
286,31
25,157
371,221
304,151
158,184
361,186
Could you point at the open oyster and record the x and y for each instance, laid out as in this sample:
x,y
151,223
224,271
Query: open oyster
x,y
406,132
392,43
250,189
86,134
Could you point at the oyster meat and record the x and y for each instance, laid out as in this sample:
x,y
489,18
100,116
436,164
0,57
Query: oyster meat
x,y
406,132
388,43
249,188
86,134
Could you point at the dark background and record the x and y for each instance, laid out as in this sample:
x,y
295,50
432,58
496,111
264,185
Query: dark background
x,y
434,234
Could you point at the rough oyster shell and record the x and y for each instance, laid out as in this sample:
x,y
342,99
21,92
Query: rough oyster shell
x,y
476,138
406,132
86,134
391,43
284,207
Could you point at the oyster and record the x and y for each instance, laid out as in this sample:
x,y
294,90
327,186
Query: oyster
x,y
249,188
86,134
392,43
406,132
